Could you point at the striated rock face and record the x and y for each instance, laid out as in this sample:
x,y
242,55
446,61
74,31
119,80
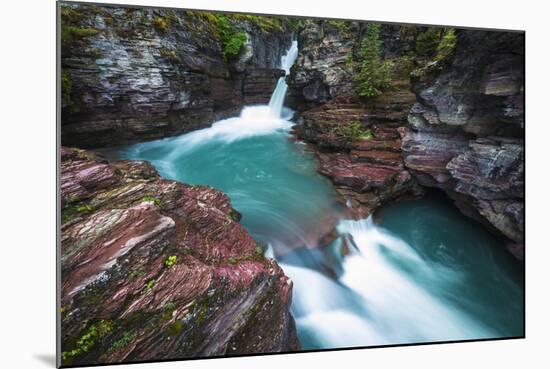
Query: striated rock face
x,y
450,121
466,131
367,171
138,74
258,85
321,71
155,269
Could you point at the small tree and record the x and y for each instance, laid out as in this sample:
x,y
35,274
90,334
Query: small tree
x,y
374,75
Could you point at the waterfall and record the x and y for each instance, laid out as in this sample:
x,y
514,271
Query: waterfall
x,y
254,121
384,303
279,94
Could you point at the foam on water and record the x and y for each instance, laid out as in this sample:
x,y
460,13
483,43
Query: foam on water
x,y
381,290
385,304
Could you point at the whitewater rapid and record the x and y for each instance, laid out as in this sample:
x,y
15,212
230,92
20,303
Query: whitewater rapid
x,y
384,303
369,287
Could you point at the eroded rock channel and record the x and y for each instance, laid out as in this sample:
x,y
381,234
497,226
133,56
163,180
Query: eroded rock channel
x,y
220,202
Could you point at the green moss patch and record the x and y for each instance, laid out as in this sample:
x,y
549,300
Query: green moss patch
x,y
121,343
72,210
170,261
154,200
88,340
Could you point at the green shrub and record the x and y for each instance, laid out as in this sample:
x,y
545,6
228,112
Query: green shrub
x,y
170,261
231,39
175,328
170,54
447,44
71,211
259,250
342,26
374,75
352,131
72,33
266,24
427,41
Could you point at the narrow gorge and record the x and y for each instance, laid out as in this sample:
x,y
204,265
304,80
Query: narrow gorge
x,y
238,184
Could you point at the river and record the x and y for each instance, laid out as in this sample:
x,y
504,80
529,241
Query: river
x,y
421,273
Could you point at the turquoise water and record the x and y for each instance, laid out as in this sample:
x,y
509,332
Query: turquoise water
x,y
422,273
271,180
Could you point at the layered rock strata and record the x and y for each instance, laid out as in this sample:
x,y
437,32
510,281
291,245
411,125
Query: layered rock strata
x,y
466,131
450,120
135,74
155,269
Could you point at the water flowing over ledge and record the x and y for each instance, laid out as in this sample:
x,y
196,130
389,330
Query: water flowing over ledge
x,y
371,286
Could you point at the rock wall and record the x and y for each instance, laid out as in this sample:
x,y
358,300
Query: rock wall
x,y
466,131
452,121
155,269
132,74
367,171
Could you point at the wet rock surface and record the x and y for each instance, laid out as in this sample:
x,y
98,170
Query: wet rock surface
x,y
366,171
466,131
131,74
452,122
155,269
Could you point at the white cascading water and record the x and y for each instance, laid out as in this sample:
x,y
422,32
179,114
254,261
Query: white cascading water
x,y
384,304
375,300
278,97
255,120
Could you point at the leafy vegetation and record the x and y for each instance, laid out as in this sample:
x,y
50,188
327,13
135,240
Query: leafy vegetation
x,y
164,22
170,54
71,210
436,41
427,41
374,75
154,200
352,131
122,342
89,339
72,33
234,215
343,26
149,286
259,250
232,40
266,24
170,261
440,55
447,44
175,328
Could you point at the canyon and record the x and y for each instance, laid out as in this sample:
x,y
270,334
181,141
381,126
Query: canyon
x,y
154,268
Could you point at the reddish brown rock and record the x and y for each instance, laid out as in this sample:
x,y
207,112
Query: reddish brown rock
x,y
367,171
154,269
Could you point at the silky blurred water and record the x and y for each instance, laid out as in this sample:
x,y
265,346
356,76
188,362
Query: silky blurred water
x,y
422,273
